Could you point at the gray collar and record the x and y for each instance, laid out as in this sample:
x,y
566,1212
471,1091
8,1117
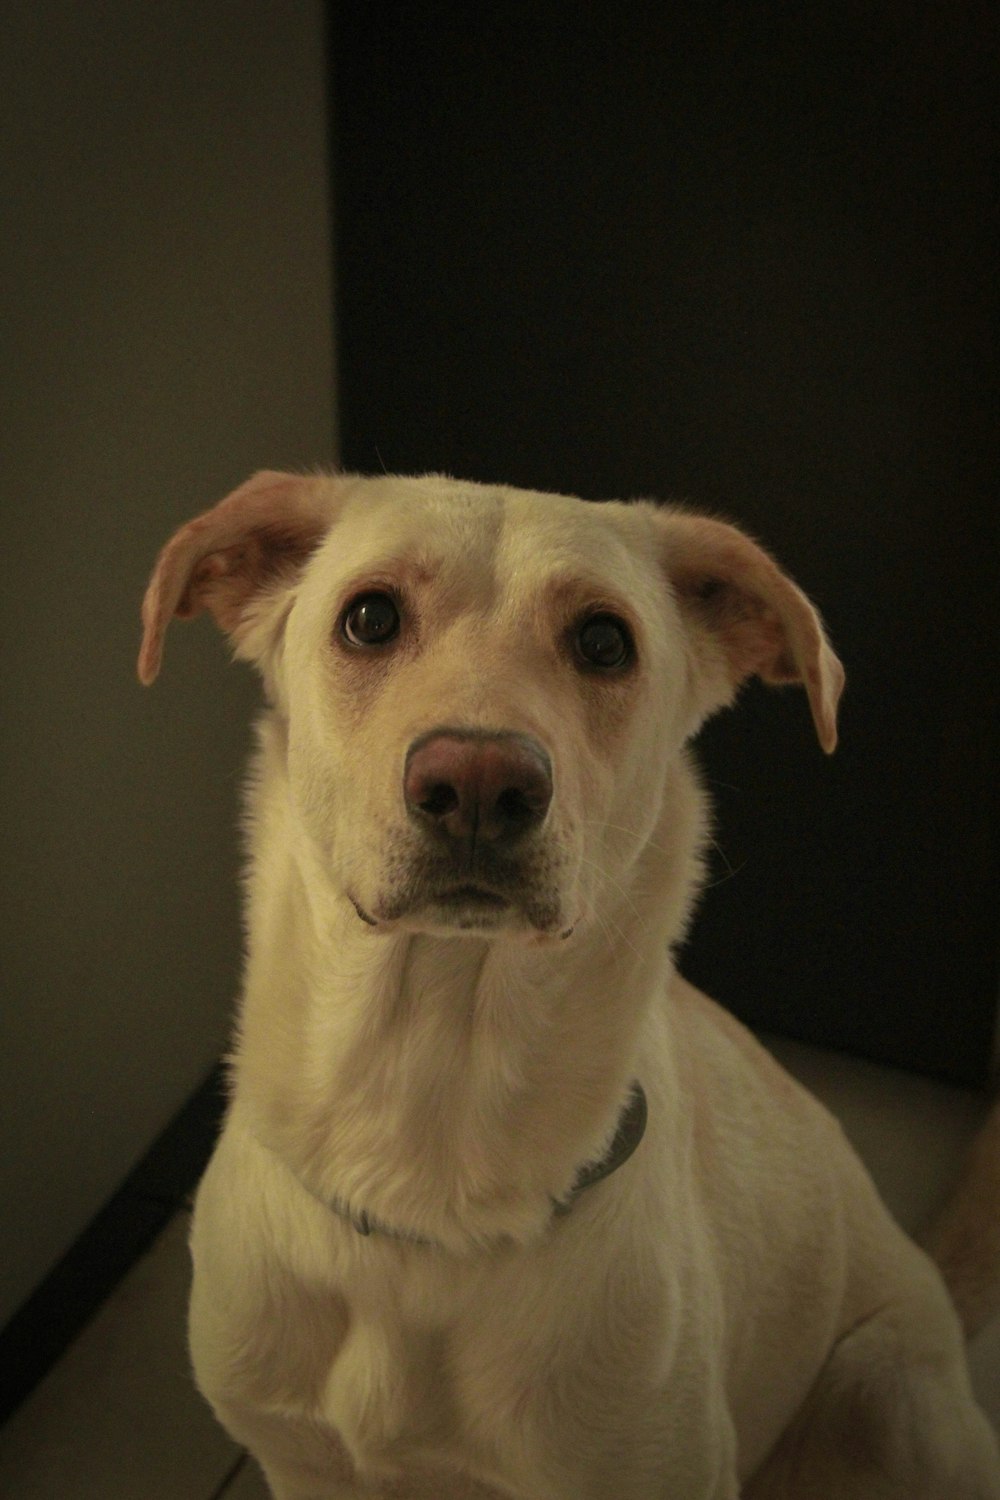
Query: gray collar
x,y
630,1131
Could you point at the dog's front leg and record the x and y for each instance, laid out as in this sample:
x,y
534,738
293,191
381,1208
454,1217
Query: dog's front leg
x,y
298,1487
891,1416
301,1459
696,1462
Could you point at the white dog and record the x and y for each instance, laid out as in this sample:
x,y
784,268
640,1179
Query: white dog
x,y
503,1207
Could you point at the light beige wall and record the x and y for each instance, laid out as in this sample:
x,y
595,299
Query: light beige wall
x,y
166,278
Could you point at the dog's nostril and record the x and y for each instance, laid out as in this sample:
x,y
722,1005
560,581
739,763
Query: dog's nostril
x,y
439,801
515,805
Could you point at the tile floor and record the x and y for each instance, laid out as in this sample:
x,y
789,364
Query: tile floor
x,y
118,1419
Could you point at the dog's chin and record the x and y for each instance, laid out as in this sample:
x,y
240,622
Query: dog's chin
x,y
466,911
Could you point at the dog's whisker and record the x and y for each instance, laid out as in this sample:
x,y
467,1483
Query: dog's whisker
x,y
646,841
603,918
731,873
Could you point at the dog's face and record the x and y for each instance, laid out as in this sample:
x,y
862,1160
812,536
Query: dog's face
x,y
484,687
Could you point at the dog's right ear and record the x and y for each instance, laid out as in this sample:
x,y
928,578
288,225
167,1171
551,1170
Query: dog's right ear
x,y
237,561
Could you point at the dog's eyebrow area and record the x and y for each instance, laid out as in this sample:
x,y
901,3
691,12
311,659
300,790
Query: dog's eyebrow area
x,y
527,570
437,587
608,558
402,574
568,593
531,597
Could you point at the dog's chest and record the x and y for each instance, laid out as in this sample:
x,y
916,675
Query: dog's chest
x,y
394,1398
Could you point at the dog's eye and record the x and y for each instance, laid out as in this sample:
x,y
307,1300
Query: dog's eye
x,y
371,620
604,641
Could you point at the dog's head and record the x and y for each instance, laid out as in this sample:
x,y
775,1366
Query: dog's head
x,y
483,688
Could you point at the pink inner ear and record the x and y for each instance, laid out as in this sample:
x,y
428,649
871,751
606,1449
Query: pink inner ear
x,y
207,572
221,559
751,633
764,623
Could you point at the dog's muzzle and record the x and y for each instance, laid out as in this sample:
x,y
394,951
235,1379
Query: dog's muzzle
x,y
477,855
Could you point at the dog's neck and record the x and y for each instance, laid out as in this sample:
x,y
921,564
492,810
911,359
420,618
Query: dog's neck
x,y
454,1085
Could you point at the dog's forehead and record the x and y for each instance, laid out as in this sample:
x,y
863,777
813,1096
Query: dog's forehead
x,y
512,538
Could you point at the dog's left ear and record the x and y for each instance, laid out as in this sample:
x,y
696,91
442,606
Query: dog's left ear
x,y
746,618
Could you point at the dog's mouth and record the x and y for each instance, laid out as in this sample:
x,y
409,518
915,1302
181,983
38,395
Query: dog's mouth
x,y
518,895
472,895
465,907
470,908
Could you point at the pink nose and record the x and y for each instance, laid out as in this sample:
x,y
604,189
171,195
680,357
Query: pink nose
x,y
474,786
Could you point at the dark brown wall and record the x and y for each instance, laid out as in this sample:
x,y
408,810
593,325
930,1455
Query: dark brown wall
x,y
741,254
